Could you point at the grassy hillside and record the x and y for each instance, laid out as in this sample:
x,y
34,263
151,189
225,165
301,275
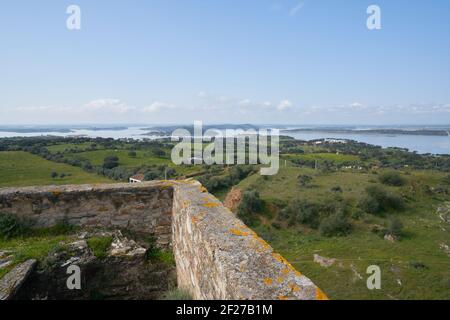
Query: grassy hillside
x,y
19,169
416,267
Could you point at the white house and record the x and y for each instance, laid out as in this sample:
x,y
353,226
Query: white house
x,y
137,178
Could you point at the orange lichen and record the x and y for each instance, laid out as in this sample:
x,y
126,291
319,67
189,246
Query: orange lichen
x,y
268,281
285,271
294,287
239,232
280,279
211,204
320,295
263,243
281,297
203,189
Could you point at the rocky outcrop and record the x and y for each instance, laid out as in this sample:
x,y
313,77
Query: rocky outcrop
x,y
443,212
233,199
324,261
13,280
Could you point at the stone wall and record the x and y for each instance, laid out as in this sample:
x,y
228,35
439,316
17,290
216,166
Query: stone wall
x,y
142,208
217,256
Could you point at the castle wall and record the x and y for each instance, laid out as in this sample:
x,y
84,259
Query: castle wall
x,y
142,208
217,256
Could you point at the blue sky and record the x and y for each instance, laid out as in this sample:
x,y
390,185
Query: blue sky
x,y
252,61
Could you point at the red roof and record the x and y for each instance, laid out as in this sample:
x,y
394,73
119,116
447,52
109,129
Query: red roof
x,y
139,177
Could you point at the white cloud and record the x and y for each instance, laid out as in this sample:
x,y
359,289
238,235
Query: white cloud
x,y
294,10
245,102
158,106
202,94
284,105
356,105
107,105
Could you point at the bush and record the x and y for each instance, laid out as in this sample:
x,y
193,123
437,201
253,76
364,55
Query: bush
x,y
177,294
377,200
132,154
447,179
100,246
250,204
305,212
335,225
395,227
304,179
110,162
13,226
392,178
54,174
159,152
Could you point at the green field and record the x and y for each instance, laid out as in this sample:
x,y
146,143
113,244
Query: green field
x,y
338,158
346,279
142,158
18,169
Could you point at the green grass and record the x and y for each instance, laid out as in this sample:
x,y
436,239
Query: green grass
x,y
143,157
32,247
423,233
18,169
100,245
176,294
338,158
157,255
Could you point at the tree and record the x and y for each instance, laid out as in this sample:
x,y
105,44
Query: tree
x,y
335,225
249,206
378,200
392,178
110,162
159,152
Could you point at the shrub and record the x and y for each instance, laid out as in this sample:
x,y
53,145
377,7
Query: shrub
x,y
304,179
335,225
377,200
159,152
110,162
250,204
100,245
446,179
13,226
395,227
54,174
337,189
392,178
305,212
176,294
132,154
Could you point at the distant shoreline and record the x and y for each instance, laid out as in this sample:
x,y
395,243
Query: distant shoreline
x,y
421,132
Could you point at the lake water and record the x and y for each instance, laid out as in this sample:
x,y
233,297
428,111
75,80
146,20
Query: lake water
x,y
421,144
